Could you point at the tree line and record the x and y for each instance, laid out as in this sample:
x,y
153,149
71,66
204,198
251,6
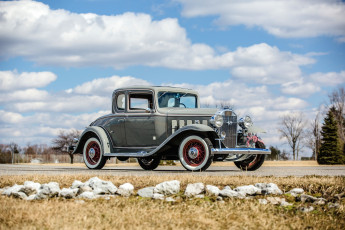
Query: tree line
x,y
326,140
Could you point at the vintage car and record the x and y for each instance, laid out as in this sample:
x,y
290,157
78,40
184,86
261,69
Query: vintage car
x,y
167,123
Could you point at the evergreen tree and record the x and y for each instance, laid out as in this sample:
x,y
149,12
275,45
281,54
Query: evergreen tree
x,y
331,151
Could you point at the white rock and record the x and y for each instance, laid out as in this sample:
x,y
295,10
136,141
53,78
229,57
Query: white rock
x,y
306,209
53,188
307,199
87,195
31,197
158,196
263,201
333,205
226,192
194,189
168,187
275,200
248,190
170,199
285,203
101,187
68,193
320,201
20,195
269,188
200,196
212,190
296,191
219,198
14,189
84,189
146,192
30,188
92,181
125,189
77,184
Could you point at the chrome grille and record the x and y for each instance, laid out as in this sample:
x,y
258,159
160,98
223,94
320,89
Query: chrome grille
x,y
230,128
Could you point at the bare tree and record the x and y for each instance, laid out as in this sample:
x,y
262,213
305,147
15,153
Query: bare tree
x,y
313,137
65,139
292,128
14,148
337,100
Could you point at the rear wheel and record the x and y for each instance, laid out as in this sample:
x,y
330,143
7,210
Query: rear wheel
x,y
93,154
149,163
253,162
195,153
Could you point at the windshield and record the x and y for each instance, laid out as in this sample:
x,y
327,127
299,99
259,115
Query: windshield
x,y
174,99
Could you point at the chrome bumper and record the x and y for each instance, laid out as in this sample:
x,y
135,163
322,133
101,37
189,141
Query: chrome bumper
x,y
240,151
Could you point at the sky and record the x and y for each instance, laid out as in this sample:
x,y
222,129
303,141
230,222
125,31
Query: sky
x,y
61,60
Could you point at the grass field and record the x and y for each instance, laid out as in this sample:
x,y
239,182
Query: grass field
x,y
138,213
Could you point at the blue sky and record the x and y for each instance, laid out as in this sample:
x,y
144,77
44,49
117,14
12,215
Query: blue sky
x,y
60,60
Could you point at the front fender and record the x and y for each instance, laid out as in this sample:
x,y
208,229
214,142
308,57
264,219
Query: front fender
x,y
93,131
184,131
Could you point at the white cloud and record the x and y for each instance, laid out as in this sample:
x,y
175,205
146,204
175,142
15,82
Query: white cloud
x,y
11,80
105,86
63,103
301,88
24,95
329,79
10,117
283,18
265,64
58,37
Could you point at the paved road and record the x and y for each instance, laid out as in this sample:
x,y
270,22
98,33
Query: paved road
x,y
171,170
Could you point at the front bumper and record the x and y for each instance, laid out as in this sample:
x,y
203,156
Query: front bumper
x,y
247,151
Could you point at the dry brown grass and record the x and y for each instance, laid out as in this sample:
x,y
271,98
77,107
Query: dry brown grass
x,y
137,213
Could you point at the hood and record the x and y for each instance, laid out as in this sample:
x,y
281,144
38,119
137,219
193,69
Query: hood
x,y
187,112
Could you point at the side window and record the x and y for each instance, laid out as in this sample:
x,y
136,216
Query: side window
x,y
140,101
121,101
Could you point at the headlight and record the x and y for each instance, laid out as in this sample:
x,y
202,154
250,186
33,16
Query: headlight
x,y
247,122
217,120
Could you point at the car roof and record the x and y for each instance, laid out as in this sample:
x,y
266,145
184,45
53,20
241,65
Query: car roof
x,y
158,88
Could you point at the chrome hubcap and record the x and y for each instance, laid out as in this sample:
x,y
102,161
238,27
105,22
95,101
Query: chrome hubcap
x,y
92,153
193,153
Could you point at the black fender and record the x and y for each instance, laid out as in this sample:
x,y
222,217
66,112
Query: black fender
x,y
93,131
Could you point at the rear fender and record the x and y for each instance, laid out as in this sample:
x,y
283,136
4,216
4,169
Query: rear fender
x,y
93,131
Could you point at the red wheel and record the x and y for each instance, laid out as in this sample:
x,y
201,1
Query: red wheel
x,y
93,154
194,153
254,162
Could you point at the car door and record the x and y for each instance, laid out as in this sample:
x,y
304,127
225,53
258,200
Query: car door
x,y
140,123
115,125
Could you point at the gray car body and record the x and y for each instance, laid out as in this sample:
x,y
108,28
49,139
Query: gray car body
x,y
151,131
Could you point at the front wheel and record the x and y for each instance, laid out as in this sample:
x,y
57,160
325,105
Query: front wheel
x,y
93,154
195,153
148,163
253,162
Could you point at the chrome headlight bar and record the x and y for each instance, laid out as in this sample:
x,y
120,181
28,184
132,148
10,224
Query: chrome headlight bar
x,y
217,120
245,122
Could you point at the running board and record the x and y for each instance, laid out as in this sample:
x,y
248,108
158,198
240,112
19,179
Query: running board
x,y
245,151
248,151
137,154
